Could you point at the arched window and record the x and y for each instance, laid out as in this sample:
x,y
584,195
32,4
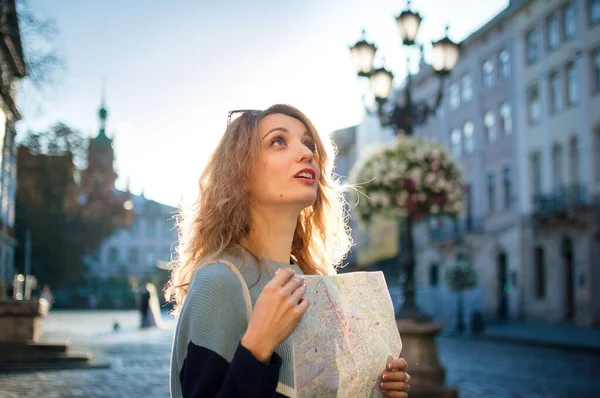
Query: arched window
x,y
539,272
469,139
574,161
113,255
489,121
456,143
557,167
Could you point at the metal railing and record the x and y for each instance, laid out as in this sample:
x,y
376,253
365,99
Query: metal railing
x,y
560,200
454,230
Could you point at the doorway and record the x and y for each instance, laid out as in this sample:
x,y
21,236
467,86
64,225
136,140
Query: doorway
x,y
502,267
569,278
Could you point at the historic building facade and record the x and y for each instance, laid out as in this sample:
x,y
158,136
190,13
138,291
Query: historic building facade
x,y
137,250
520,114
558,47
12,68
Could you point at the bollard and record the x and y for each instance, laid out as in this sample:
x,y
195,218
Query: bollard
x,y
18,287
30,285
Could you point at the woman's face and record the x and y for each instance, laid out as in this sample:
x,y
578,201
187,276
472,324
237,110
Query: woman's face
x,y
285,172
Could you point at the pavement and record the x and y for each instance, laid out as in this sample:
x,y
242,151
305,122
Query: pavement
x,y
139,362
561,336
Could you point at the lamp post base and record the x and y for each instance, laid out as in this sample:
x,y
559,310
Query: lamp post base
x,y
420,351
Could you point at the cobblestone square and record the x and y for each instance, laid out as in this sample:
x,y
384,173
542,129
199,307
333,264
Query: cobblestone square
x,y
139,364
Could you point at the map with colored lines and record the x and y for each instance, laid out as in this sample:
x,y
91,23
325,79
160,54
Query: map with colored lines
x,y
345,337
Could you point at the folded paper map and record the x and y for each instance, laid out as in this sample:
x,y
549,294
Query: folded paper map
x,y
346,336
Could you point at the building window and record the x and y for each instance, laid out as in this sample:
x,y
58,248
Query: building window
x,y
469,139
466,88
434,274
536,174
534,105
134,256
488,73
507,187
506,118
540,272
594,11
574,161
489,121
569,21
553,30
555,92
491,188
113,255
504,59
455,143
531,45
454,96
571,84
557,168
597,69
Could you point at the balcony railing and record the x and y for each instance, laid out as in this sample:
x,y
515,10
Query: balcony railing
x,y
561,200
452,231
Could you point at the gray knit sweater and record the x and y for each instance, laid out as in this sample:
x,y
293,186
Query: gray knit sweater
x,y
214,314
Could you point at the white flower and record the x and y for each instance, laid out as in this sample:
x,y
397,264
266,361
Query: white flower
x,y
380,199
415,174
402,198
430,178
435,209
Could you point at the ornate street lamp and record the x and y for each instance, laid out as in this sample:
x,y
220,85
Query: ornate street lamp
x,y
417,328
408,24
363,53
445,55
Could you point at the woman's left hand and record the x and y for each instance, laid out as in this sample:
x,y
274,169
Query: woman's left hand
x,y
395,380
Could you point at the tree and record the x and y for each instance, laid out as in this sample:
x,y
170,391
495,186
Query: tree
x,y
44,62
65,223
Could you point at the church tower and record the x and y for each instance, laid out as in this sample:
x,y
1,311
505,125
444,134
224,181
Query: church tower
x,y
100,176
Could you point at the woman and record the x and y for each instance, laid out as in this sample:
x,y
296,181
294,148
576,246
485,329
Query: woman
x,y
268,212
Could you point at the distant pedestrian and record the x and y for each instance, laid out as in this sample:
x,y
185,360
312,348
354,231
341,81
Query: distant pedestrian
x,y
144,307
47,296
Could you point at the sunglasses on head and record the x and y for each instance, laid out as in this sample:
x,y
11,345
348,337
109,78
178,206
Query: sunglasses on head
x,y
241,111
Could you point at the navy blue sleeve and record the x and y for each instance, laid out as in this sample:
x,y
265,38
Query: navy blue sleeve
x,y
206,374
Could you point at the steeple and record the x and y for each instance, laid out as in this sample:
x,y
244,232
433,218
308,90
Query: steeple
x,y
102,112
102,116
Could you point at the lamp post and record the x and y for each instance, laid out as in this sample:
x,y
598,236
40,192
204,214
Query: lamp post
x,y
417,329
404,117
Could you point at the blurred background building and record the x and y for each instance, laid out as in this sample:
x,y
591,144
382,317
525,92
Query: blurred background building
x,y
128,257
12,68
134,251
521,116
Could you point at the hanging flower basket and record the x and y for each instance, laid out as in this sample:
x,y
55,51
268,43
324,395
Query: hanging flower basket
x,y
411,176
461,276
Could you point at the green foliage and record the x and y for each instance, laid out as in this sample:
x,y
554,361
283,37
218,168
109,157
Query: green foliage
x,y
63,228
461,275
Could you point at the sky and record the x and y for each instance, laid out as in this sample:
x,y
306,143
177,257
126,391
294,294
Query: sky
x,y
173,69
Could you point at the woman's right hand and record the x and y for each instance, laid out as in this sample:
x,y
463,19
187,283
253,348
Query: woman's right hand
x,y
277,312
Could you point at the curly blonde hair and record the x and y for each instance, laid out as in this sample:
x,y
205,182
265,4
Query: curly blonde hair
x,y
219,219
